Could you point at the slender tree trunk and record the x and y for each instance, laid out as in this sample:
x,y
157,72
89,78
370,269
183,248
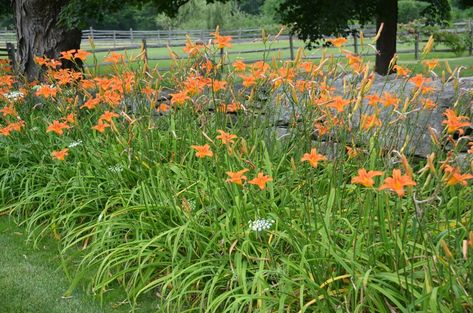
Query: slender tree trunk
x,y
39,34
386,13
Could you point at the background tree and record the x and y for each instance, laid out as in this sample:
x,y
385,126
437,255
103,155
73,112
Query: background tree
x,y
463,4
311,20
47,27
411,10
141,17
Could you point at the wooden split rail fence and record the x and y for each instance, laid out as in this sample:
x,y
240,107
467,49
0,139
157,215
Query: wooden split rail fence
x,y
9,52
105,41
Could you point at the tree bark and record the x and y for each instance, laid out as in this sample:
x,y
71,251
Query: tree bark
x,y
39,34
386,14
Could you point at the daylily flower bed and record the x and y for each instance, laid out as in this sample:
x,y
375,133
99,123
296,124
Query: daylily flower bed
x,y
198,201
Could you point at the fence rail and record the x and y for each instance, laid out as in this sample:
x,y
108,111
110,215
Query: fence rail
x,y
120,40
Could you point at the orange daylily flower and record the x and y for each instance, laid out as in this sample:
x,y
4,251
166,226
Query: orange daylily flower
x,y
114,58
207,66
40,61
101,126
107,116
303,85
91,103
313,157
370,121
365,178
428,104
339,103
239,65
203,151
68,55
46,91
454,122
261,180
8,110
70,118
226,138
389,100
57,127
195,85
248,80
112,98
373,99
63,76
17,126
338,42
6,131
353,59
426,89
306,66
87,84
325,92
223,41
431,64
230,108
454,176
6,81
61,154
352,152
148,91
259,68
237,177
218,85
191,48
81,55
401,71
287,73
179,97
397,182
163,107
419,80
53,63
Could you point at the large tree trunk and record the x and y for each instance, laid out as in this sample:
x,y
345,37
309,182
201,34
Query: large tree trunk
x,y
39,34
386,13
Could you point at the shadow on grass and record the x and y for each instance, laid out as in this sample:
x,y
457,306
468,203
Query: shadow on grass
x,y
32,280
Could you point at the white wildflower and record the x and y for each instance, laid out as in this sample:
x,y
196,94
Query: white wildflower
x,y
116,168
75,144
14,95
260,224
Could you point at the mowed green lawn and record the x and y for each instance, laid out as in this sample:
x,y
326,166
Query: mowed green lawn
x,y
32,280
280,50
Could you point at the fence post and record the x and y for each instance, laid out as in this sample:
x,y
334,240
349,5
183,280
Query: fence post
x,y
144,52
159,36
114,38
416,45
169,36
202,35
239,34
470,39
91,33
355,40
131,35
291,47
11,55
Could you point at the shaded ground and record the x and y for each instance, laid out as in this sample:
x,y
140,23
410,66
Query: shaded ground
x,y
32,280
